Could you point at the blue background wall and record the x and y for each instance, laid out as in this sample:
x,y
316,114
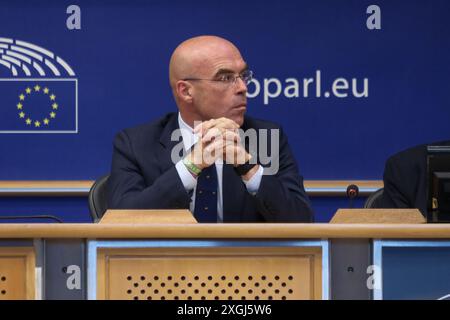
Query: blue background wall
x,y
121,54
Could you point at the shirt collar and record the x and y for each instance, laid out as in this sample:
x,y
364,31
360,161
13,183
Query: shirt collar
x,y
187,132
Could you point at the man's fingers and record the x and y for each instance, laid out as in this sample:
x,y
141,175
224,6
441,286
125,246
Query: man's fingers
x,y
227,123
234,154
213,151
205,124
232,135
221,133
222,123
213,133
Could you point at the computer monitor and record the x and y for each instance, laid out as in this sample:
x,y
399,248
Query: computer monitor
x,y
438,183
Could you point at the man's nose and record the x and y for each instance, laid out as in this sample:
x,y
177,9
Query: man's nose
x,y
241,86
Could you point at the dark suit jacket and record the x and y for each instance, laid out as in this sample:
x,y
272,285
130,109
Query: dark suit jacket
x,y
405,179
143,176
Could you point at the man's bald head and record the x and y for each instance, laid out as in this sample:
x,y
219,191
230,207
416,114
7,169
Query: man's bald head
x,y
196,68
194,55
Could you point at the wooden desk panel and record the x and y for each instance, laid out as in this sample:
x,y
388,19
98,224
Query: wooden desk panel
x,y
255,273
17,279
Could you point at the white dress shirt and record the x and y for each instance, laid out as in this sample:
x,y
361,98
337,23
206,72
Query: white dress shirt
x,y
190,183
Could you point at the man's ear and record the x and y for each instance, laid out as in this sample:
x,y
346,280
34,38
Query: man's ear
x,y
184,91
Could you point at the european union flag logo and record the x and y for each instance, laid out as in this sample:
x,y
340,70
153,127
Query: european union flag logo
x,y
36,105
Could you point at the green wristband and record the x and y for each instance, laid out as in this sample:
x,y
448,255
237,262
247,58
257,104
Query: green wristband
x,y
192,167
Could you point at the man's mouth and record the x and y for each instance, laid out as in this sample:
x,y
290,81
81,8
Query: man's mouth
x,y
241,106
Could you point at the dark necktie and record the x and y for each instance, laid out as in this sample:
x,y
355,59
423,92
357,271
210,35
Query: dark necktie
x,y
206,196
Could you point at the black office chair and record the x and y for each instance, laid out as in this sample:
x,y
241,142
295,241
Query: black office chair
x,y
374,199
98,202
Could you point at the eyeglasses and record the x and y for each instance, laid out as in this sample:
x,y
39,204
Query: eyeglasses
x,y
229,79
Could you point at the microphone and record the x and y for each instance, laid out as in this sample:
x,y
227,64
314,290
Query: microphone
x,y
32,217
352,193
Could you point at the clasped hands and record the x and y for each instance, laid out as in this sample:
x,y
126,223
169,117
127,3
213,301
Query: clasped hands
x,y
219,138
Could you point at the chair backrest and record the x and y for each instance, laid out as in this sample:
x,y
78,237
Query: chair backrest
x,y
373,201
98,203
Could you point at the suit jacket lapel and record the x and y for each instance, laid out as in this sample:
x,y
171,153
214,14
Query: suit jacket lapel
x,y
164,156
